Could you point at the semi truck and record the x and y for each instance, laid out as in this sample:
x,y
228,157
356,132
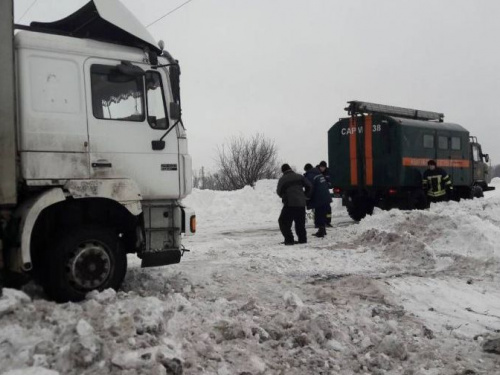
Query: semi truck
x,y
94,161
378,154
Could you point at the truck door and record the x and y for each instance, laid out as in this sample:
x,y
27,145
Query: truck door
x,y
373,147
126,111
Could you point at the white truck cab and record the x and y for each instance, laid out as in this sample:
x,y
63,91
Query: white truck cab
x,y
94,156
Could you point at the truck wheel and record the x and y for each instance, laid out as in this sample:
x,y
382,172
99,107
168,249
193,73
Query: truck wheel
x,y
476,192
418,200
86,259
358,208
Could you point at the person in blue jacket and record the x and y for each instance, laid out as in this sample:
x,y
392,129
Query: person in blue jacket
x,y
320,198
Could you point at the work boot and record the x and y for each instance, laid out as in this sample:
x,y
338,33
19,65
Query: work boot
x,y
320,233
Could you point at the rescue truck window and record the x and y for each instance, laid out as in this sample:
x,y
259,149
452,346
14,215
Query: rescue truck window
x,y
443,143
428,141
455,143
475,153
116,96
157,114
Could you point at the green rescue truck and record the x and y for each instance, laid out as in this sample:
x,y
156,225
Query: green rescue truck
x,y
378,154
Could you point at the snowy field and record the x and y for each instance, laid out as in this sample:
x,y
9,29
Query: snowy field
x,y
413,293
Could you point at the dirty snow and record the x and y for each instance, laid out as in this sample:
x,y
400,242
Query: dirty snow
x,y
412,293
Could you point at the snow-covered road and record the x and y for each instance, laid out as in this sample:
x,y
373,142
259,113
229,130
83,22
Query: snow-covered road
x,y
398,293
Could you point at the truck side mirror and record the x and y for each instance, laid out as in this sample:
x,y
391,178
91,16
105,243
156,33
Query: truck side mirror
x,y
158,145
175,111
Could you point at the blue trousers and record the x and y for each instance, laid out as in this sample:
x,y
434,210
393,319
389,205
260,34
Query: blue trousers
x,y
320,216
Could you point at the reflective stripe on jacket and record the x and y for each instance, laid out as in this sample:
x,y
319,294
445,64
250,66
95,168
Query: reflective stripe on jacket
x,y
436,182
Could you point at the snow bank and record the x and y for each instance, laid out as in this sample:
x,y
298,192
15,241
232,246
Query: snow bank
x,y
236,209
249,207
398,293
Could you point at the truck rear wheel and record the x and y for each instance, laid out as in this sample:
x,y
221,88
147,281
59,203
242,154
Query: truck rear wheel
x,y
476,192
358,208
86,259
418,200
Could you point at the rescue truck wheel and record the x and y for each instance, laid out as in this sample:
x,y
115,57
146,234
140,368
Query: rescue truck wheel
x,y
86,259
418,200
476,192
358,208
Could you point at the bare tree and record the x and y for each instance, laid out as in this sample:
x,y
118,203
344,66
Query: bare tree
x,y
245,161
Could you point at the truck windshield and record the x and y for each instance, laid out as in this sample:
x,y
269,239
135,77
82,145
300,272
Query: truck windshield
x,y
475,153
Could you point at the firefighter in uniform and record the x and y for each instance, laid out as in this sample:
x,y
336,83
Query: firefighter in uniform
x,y
436,183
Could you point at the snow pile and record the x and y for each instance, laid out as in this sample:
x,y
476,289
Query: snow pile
x,y
235,209
249,207
469,229
398,293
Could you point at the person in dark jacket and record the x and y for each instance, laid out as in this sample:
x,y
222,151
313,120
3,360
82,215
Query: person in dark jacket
x,y
436,183
323,168
292,189
320,198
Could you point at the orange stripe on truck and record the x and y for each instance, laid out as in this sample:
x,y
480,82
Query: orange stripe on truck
x,y
369,150
352,151
445,163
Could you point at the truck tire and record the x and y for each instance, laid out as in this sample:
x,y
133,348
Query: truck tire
x,y
476,192
85,259
418,200
358,208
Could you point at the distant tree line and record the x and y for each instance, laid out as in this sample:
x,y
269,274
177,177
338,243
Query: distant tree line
x,y
495,171
240,162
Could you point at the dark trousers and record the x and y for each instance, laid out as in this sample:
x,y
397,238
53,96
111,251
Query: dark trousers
x,y
320,216
329,214
442,198
287,217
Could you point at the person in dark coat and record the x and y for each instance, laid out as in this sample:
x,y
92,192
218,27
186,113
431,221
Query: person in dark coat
x,y
436,183
323,168
292,189
320,198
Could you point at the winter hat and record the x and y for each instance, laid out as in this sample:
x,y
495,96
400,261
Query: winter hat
x,y
307,167
285,167
322,164
431,162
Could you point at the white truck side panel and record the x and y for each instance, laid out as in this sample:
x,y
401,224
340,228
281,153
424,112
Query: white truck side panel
x,y
52,102
53,137
54,165
8,181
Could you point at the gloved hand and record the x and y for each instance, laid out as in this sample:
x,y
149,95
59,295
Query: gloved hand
x,y
449,192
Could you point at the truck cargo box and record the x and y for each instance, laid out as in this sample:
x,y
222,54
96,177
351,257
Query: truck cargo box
x,y
380,151
7,108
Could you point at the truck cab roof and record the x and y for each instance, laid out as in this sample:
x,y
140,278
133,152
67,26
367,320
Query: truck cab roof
x,y
449,126
103,20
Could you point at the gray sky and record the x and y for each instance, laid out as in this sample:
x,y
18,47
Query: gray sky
x,y
286,68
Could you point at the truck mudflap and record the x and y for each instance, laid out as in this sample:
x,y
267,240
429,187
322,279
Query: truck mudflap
x,y
161,258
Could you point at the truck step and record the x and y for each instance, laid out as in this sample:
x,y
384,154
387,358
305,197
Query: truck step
x,y
160,258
